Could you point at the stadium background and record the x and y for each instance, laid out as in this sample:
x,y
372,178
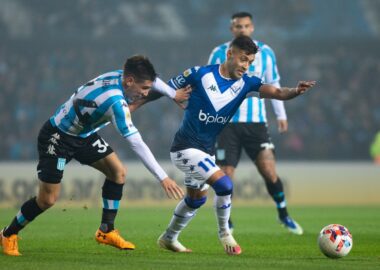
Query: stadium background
x,y
49,48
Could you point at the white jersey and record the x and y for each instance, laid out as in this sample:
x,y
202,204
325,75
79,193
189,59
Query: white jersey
x,y
252,110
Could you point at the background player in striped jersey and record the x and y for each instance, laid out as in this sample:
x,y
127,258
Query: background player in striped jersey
x,y
217,92
71,133
248,128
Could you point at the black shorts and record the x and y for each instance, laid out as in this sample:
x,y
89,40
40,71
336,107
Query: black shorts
x,y
56,149
252,137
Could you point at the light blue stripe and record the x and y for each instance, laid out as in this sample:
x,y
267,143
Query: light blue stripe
x,y
130,134
219,54
105,204
116,204
98,91
120,119
103,108
264,56
249,110
236,116
273,58
111,204
21,219
65,124
281,204
261,115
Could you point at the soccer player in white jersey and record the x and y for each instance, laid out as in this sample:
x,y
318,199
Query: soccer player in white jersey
x,y
217,92
248,127
71,133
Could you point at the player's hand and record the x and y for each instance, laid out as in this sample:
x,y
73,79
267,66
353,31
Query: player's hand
x,y
182,95
171,188
282,125
303,86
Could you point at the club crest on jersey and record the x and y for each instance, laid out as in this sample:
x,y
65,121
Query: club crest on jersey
x,y
187,72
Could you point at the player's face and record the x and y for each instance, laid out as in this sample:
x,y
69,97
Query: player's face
x,y
238,62
135,90
242,27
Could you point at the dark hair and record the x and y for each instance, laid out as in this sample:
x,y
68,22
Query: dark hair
x,y
244,43
242,14
140,68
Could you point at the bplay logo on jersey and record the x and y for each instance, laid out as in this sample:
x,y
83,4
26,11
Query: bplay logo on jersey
x,y
212,119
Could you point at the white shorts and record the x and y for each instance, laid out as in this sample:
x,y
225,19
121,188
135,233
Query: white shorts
x,y
197,165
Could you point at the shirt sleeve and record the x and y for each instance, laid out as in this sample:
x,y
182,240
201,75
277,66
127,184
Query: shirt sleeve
x,y
162,88
184,79
146,156
272,77
121,118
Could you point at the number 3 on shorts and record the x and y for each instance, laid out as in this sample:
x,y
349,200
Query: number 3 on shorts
x,y
101,144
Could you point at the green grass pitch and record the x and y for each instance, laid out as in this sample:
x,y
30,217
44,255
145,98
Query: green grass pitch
x,y
63,239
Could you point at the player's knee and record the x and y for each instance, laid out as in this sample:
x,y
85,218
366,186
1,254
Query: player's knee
x,y
229,170
118,176
45,202
223,186
195,203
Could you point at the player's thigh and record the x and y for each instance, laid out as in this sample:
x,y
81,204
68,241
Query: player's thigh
x,y
112,167
55,150
228,150
256,139
93,149
197,165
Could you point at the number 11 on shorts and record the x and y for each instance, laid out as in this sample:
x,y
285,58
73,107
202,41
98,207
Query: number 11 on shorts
x,y
205,164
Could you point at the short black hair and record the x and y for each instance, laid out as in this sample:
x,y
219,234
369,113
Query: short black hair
x,y
241,14
244,43
140,68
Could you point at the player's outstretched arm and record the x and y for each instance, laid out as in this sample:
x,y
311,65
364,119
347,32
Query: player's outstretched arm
x,y
138,146
171,188
285,93
181,96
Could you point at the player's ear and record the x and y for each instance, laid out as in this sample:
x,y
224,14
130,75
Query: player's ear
x,y
129,80
229,53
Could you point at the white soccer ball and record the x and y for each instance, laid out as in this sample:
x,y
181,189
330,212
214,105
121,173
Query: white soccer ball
x,y
335,241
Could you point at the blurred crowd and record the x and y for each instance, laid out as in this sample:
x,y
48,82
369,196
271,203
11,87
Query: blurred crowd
x,y
45,58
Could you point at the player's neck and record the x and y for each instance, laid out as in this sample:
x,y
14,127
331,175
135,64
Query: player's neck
x,y
223,71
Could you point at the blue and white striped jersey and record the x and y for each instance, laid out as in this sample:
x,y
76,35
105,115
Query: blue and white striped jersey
x,y
252,110
94,105
213,101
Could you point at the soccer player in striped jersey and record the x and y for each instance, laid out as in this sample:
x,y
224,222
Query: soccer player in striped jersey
x,y
71,133
248,127
217,92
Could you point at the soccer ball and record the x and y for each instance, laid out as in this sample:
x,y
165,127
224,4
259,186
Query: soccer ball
x,y
335,241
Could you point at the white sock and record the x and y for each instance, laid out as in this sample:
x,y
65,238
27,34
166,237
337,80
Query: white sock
x,y
181,217
223,210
